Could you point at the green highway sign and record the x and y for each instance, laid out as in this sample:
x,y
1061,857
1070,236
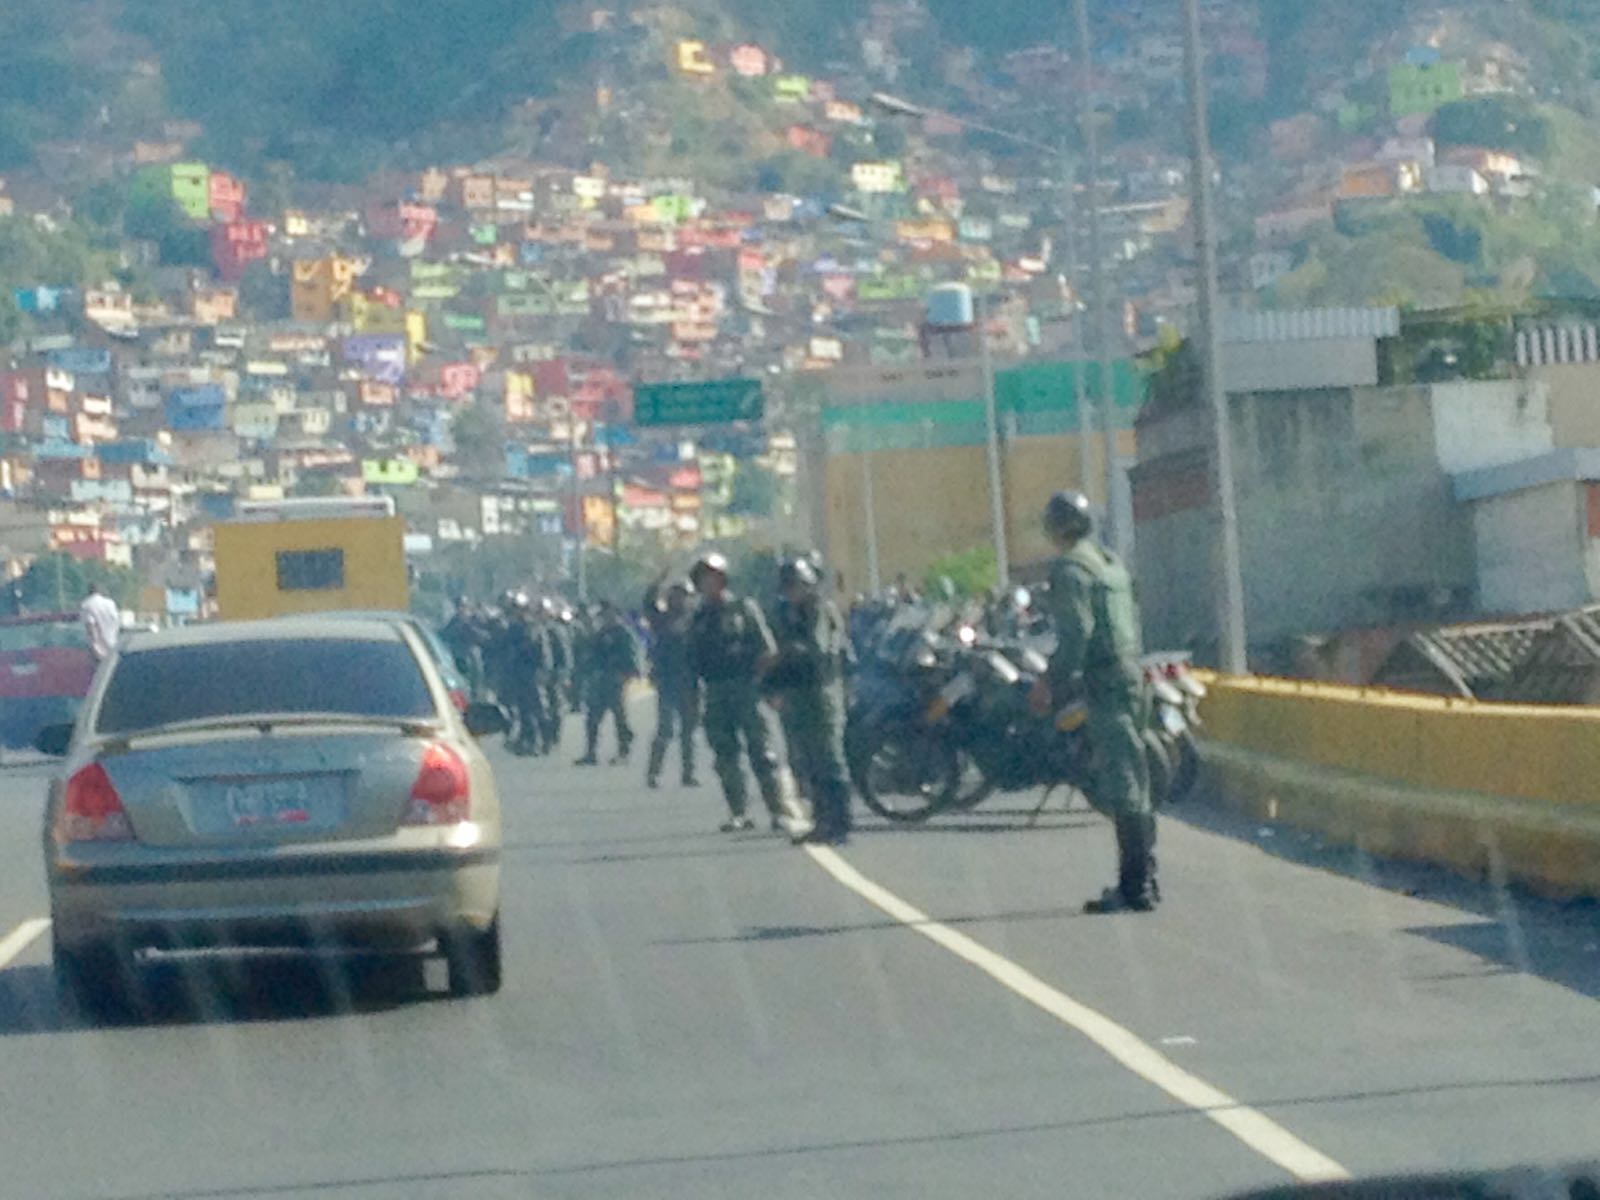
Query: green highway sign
x,y
714,402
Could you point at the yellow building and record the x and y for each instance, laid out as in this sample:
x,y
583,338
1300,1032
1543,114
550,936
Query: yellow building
x,y
300,556
898,469
318,285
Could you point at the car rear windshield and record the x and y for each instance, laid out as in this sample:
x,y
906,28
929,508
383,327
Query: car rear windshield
x,y
157,687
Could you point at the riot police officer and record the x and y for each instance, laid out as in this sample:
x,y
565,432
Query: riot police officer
x,y
526,657
556,679
668,612
807,685
464,634
613,659
1097,649
729,647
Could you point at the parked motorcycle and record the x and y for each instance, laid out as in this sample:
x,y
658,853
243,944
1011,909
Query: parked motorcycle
x,y
899,758
1176,693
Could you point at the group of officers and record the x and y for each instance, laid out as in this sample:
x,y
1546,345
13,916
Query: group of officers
x,y
717,660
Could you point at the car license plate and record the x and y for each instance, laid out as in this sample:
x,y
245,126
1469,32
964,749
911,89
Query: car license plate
x,y
285,803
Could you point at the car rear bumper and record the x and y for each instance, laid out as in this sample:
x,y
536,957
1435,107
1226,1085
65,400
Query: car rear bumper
x,y
379,898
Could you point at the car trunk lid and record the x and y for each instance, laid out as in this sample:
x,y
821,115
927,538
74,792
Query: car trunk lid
x,y
265,784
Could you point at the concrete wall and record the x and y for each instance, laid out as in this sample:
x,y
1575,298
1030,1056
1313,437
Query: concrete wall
x,y
932,502
1481,424
1573,390
1345,516
1531,548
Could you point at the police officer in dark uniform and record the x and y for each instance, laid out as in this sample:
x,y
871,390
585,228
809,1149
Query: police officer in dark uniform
x,y
582,644
464,635
613,659
807,686
729,647
669,612
527,657
1097,652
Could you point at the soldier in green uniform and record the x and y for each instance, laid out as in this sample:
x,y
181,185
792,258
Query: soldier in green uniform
x,y
669,612
557,677
613,661
807,687
1097,651
730,646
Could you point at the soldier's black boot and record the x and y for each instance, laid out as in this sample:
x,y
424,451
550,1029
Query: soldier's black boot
x,y
652,771
1136,890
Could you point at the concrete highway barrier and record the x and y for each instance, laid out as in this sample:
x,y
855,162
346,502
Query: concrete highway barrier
x,y
1494,791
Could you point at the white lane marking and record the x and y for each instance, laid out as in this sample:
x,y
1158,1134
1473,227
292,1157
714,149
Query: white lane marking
x,y
1255,1129
20,938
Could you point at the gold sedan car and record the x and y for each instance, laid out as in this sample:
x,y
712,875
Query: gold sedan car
x,y
297,782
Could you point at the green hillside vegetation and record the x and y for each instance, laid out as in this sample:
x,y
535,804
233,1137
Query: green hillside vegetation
x,y
1431,251
64,254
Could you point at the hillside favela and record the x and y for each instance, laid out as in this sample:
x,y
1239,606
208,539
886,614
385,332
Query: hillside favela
x,y
593,593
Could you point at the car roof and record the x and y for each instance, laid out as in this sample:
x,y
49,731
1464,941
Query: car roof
x,y
40,618
373,614
314,627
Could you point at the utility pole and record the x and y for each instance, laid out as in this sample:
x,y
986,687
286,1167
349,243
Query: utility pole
x,y
578,573
1114,535
997,484
1080,375
1230,587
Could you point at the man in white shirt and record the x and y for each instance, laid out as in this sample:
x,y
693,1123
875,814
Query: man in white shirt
x,y
101,620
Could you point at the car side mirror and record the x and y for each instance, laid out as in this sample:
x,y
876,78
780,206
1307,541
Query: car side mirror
x,y
53,740
483,719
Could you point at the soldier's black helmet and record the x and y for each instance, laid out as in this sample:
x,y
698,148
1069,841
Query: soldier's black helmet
x,y
1068,516
706,564
797,570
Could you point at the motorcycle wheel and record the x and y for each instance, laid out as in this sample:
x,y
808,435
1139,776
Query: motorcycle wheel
x,y
875,759
1185,766
971,788
1160,769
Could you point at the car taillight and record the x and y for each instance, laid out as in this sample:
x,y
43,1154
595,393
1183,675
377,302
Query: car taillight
x,y
442,794
459,699
91,810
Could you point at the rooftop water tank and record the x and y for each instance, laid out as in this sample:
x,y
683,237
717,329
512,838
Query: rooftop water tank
x,y
950,306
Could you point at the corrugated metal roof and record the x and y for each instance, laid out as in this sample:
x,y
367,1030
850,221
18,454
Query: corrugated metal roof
x,y
1310,324
1467,660
1563,343
1563,667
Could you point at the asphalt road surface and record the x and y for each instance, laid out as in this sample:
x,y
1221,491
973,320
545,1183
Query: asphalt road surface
x,y
925,1014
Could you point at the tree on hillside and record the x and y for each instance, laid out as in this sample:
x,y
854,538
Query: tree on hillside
x,y
969,572
1508,123
45,90
158,219
479,434
756,491
57,582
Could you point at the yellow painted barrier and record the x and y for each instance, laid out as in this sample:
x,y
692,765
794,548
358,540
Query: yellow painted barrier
x,y
1492,790
1551,755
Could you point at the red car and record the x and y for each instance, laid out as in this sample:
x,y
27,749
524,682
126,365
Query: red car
x,y
45,669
